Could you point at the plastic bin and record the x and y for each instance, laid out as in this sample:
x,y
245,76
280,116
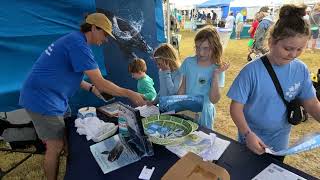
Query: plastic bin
x,y
224,34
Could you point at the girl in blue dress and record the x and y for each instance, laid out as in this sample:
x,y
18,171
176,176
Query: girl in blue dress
x,y
203,74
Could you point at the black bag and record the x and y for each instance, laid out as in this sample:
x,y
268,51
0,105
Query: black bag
x,y
295,112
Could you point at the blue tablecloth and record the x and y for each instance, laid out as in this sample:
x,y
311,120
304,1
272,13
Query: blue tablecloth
x,y
240,162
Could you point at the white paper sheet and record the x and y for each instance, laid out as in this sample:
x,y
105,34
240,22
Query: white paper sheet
x,y
201,146
274,171
146,111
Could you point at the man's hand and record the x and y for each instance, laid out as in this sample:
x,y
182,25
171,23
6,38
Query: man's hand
x,y
136,98
96,92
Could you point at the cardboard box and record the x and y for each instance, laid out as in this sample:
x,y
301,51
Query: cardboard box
x,y
192,167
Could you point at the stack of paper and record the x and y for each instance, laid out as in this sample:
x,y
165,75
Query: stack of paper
x,y
274,171
209,147
146,111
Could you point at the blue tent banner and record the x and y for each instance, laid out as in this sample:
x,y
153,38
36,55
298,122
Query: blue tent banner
x,y
223,4
214,3
31,26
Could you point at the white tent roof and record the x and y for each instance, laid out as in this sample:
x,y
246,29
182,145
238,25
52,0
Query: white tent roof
x,y
300,1
185,4
255,3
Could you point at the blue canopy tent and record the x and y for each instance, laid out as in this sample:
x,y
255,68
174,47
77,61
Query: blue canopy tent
x,y
31,26
214,3
223,4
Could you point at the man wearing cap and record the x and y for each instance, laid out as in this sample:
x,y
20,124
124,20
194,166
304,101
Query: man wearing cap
x,y
57,75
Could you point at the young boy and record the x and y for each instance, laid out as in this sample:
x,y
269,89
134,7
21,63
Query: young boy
x,y
145,84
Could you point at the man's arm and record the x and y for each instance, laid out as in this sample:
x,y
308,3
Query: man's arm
x,y
109,87
85,85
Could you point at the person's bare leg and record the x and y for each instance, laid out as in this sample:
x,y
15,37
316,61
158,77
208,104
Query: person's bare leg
x,y
313,44
51,158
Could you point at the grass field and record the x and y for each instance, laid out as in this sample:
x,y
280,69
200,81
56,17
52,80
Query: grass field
x,y
235,53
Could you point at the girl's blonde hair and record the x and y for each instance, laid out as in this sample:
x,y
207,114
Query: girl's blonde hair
x,y
211,34
167,53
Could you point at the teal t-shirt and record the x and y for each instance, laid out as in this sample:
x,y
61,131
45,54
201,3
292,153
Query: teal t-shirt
x,y
145,87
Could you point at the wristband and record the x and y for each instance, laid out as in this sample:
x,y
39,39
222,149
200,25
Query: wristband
x,y
91,88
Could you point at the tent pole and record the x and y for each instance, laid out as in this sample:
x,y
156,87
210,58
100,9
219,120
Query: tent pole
x,y
168,22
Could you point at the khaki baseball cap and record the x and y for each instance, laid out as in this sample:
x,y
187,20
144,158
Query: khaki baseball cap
x,y
100,20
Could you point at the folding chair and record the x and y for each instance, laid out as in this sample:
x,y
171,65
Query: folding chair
x,y
18,132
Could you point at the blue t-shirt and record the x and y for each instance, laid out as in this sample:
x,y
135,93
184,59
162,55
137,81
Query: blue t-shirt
x,y
169,82
57,75
198,82
264,109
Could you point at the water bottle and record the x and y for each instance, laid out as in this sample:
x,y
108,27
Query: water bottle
x,y
123,126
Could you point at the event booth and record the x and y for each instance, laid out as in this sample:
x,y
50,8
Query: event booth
x,y
121,140
248,8
223,4
31,26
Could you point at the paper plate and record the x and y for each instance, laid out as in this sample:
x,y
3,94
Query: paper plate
x,y
166,129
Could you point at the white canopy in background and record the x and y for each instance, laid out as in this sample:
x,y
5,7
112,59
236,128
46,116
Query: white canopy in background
x,y
255,3
185,4
300,1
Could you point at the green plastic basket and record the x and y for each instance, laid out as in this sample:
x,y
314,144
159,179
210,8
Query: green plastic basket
x,y
171,122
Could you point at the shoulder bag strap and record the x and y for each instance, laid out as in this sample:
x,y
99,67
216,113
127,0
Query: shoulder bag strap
x,y
274,78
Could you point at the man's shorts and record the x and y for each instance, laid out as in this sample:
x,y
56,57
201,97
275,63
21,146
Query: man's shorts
x,y
239,27
48,127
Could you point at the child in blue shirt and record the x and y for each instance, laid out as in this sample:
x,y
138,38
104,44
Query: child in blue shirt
x,y
203,74
256,107
168,62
